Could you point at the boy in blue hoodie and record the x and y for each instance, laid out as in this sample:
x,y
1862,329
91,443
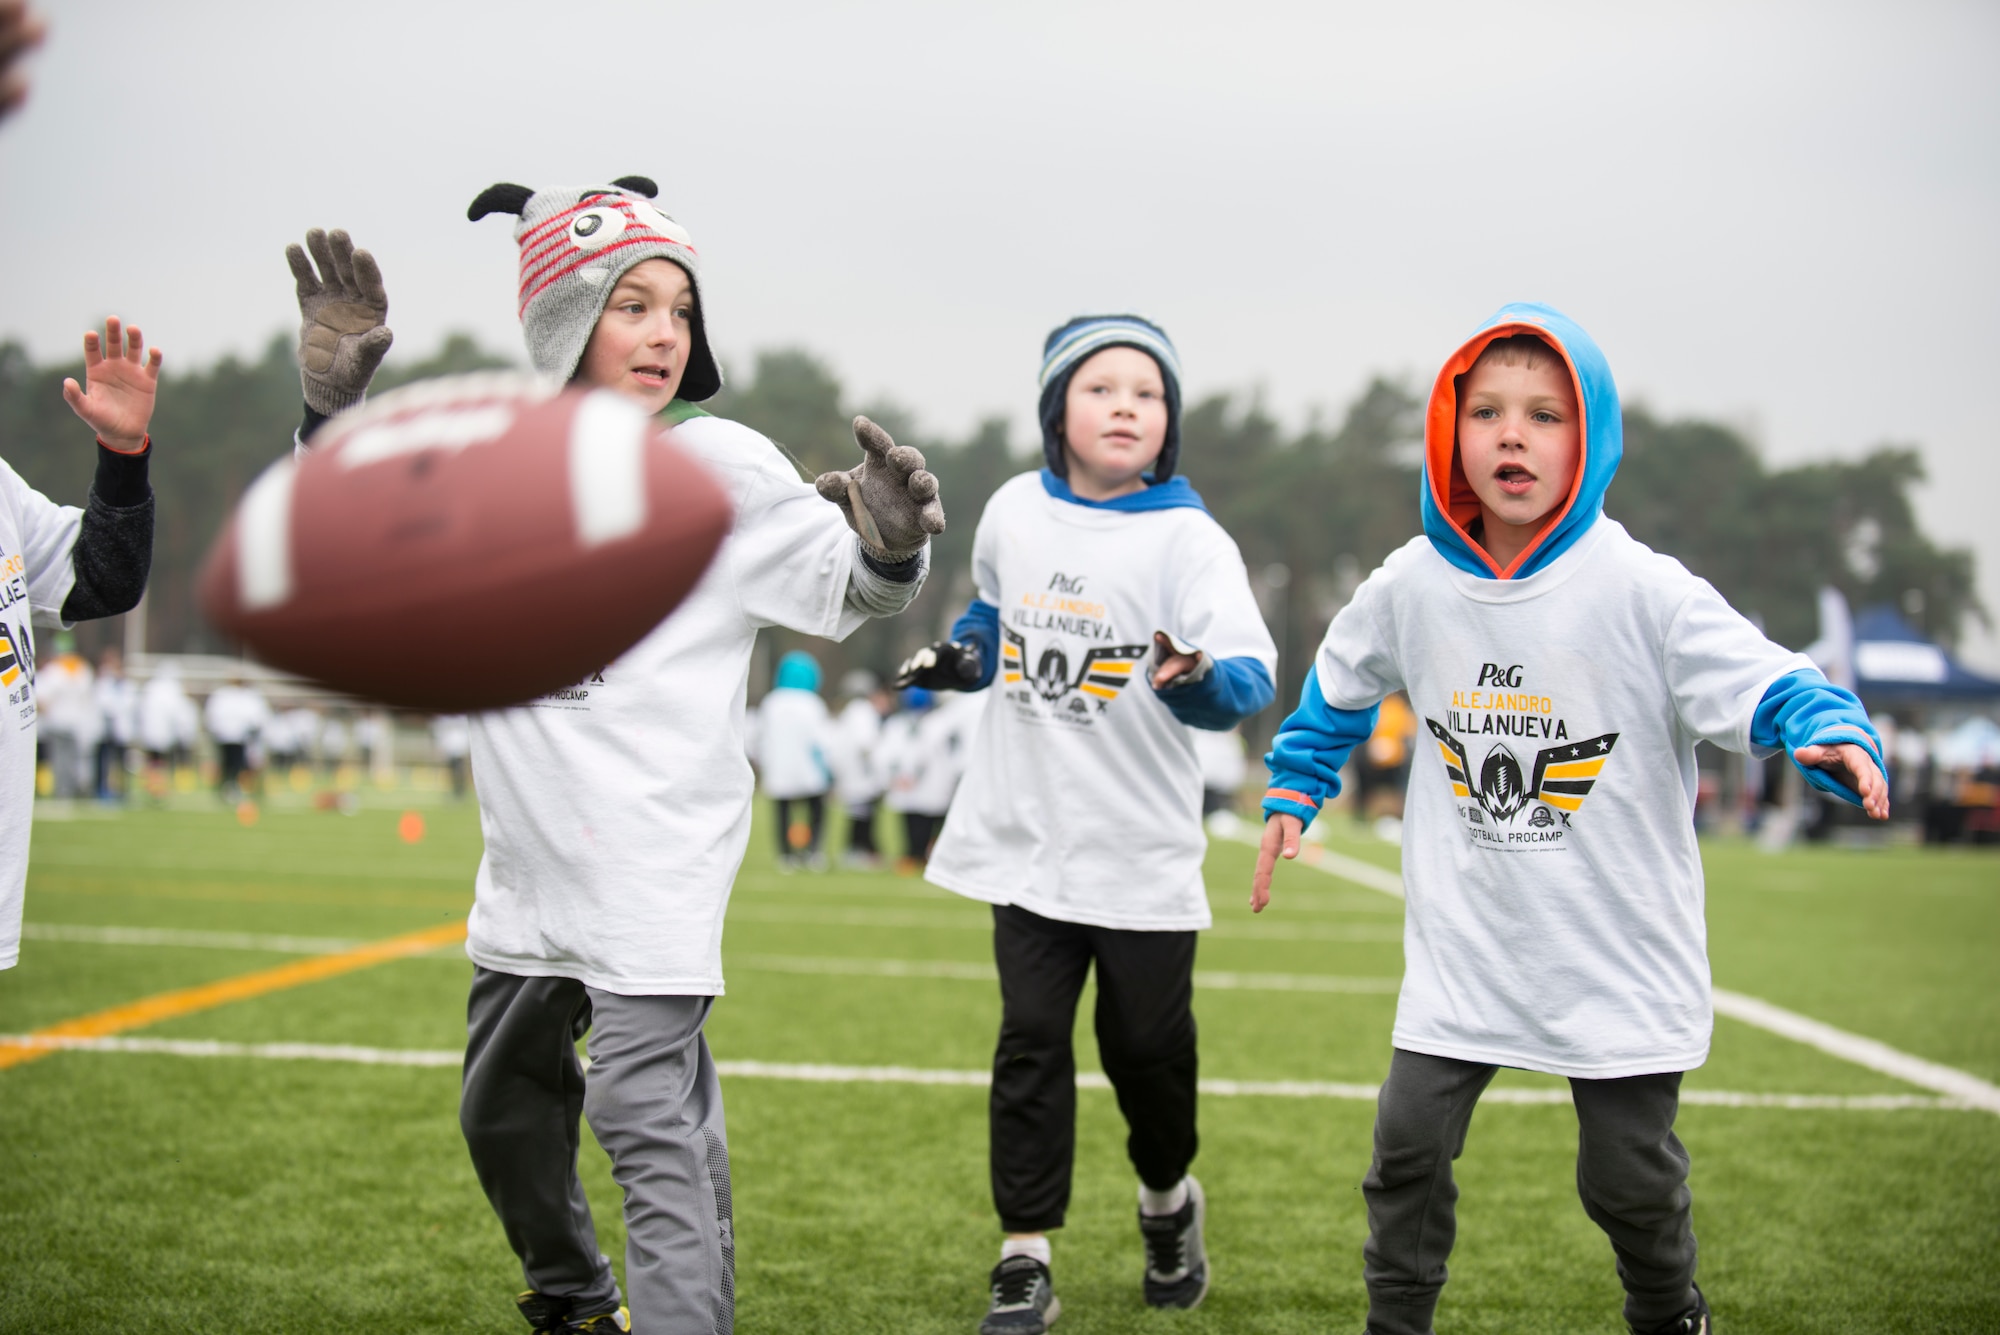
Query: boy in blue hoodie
x,y
1563,673
1115,615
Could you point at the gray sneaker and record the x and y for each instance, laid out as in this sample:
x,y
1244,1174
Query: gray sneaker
x,y
1176,1258
1024,1299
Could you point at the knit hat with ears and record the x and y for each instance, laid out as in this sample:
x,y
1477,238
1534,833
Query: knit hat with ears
x,y
576,243
1071,344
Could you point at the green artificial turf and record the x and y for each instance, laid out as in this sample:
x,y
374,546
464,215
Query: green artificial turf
x,y
144,1192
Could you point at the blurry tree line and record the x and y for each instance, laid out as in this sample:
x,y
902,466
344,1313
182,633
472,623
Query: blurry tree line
x,y
1313,509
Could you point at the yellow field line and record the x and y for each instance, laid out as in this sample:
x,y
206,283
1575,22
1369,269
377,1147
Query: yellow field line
x,y
187,1000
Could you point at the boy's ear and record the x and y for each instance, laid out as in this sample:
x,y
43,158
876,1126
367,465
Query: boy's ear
x,y
501,198
638,185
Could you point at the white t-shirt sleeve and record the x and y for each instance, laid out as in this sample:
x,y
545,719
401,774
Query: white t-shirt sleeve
x,y
1357,661
1718,667
790,558
985,559
48,533
1216,611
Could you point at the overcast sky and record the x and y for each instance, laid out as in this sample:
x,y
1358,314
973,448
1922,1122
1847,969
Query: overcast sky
x,y
1784,216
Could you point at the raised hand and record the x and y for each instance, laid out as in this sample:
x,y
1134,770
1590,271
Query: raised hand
x,y
21,31
889,500
343,310
1853,766
116,398
1281,837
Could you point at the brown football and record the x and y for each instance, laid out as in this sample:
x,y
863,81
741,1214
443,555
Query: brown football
x,y
465,543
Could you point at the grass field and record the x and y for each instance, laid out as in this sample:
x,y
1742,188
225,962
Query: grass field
x,y
157,1191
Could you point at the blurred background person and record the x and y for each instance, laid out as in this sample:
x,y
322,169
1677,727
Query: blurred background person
x,y
793,748
1223,767
857,775
924,750
65,688
162,714
334,736
1382,766
451,735
117,711
235,715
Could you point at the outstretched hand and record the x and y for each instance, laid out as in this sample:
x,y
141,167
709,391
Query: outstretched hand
x,y
1174,662
343,320
1281,838
116,398
1853,766
889,500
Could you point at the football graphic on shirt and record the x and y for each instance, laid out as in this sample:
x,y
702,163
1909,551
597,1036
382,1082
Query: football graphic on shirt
x,y
1106,669
1563,777
466,543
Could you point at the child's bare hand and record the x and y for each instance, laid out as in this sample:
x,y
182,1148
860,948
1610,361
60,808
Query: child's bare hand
x,y
1853,766
1281,837
1172,660
118,403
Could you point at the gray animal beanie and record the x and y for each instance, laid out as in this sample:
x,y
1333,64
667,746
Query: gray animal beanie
x,y
576,243
1069,345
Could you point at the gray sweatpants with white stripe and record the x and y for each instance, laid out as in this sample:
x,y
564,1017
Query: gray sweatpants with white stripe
x,y
654,1104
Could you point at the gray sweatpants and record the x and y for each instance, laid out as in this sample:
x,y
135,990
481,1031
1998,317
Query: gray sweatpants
x,y
1631,1172
654,1103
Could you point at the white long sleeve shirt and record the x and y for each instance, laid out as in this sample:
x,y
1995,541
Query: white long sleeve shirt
x,y
616,812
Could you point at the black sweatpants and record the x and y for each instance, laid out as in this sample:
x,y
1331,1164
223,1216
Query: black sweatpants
x,y
920,831
861,830
1145,1037
1631,1172
815,819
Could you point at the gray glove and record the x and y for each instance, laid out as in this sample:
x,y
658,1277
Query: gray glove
x,y
342,309
889,500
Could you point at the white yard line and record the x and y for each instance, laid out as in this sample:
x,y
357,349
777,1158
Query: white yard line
x,y
819,1073
1960,1086
172,936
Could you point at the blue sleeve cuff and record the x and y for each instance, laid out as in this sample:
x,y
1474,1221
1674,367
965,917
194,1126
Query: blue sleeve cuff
x,y
1311,747
1805,709
979,626
1233,690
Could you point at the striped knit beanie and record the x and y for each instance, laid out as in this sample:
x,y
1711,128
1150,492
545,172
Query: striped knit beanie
x,y
576,243
1071,344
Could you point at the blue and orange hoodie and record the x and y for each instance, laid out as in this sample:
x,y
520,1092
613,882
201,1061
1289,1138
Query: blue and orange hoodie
x,y
1314,742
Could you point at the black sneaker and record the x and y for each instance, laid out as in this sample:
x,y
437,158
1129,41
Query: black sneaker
x,y
547,1313
1176,1258
1024,1299
1694,1321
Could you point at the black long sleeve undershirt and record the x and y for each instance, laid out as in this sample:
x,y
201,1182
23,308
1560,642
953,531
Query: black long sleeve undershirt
x,y
113,554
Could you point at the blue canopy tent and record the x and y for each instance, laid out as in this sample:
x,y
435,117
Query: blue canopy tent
x,y
1895,665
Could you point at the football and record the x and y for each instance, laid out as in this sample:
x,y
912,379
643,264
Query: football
x,y
465,543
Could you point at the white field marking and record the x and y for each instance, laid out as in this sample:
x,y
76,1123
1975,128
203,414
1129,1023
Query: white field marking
x,y
607,468
199,940
1960,1086
1321,858
985,973
817,1073
1964,1088
979,922
463,878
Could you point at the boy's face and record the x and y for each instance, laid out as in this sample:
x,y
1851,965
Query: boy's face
x,y
1519,440
1114,421
641,343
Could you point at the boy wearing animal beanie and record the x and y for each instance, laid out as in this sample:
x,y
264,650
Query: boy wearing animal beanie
x,y
616,814
1563,673
1116,616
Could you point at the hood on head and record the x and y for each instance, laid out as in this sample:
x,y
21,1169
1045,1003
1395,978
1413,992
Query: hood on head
x,y
798,671
1450,508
